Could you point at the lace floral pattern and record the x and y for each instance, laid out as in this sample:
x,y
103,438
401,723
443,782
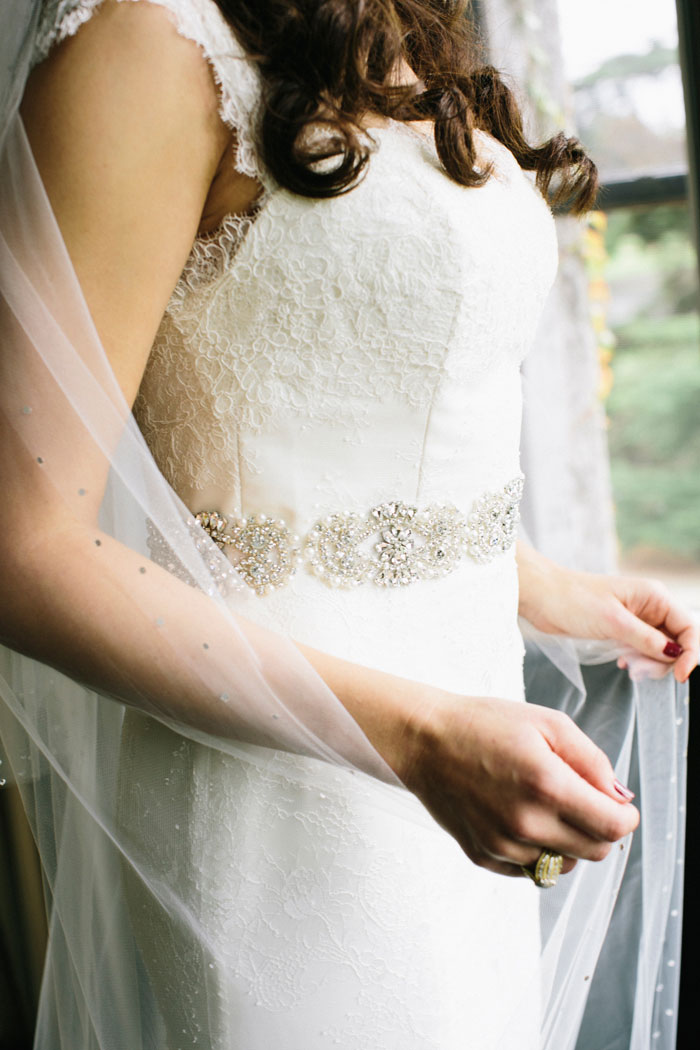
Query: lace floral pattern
x,y
212,255
322,309
284,944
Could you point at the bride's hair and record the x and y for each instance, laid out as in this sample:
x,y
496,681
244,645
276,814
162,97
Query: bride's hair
x,y
329,62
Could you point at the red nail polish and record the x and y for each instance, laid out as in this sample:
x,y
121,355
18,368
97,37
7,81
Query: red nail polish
x,y
673,649
625,792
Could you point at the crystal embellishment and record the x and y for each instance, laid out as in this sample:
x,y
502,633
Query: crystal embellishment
x,y
263,549
333,550
493,522
392,545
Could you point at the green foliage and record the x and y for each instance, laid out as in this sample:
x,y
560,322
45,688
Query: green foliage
x,y
654,406
650,225
658,509
661,334
653,268
654,413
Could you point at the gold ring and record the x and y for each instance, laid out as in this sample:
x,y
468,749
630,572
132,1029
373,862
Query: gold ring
x,y
547,869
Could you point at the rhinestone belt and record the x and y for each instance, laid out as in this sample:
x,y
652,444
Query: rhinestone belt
x,y
392,545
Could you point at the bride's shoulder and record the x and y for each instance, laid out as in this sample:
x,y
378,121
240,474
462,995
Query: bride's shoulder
x,y
122,117
235,76
200,20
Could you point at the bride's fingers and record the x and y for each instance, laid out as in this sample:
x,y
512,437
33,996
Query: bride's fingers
x,y
504,867
545,830
593,814
650,621
635,632
641,667
578,785
686,633
525,854
500,867
522,839
565,839
578,753
686,665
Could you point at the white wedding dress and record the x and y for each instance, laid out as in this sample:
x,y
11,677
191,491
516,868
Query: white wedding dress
x,y
321,358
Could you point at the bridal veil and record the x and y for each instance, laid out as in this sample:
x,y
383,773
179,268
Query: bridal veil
x,y
75,450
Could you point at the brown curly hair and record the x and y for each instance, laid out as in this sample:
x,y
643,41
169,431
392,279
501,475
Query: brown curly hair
x,y
332,62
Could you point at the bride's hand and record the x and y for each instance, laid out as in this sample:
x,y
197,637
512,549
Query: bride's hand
x,y
640,614
509,779
505,779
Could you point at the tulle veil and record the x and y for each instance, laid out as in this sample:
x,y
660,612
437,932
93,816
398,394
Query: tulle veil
x,y
610,931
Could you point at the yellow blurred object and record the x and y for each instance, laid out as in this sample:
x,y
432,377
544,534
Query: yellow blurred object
x,y
598,289
598,220
595,257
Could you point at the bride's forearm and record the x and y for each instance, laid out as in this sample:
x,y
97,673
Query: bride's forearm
x,y
100,613
394,713
538,578
484,767
106,616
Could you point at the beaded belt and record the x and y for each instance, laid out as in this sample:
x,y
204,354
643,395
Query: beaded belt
x,y
392,545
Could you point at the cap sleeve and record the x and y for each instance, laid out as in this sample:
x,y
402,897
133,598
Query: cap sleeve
x,y
236,75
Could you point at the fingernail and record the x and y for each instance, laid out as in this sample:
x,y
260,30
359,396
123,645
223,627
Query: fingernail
x,y
625,792
673,649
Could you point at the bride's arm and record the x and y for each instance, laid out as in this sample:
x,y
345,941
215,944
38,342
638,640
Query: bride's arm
x,y
503,778
123,121
124,126
638,613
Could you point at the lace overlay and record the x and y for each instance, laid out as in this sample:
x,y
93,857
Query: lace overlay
x,y
336,309
317,355
302,942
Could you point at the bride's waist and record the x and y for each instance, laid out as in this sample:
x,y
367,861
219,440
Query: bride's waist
x,y
459,632
391,544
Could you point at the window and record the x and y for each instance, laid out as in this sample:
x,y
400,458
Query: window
x,y
629,110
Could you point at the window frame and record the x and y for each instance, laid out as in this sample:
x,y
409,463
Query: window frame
x,y
688,12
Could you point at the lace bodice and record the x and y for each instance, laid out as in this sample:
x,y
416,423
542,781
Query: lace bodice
x,y
403,296
320,357
320,311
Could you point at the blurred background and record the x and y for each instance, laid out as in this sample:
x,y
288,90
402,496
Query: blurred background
x,y
610,71
624,70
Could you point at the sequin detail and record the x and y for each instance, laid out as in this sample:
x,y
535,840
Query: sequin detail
x,y
394,544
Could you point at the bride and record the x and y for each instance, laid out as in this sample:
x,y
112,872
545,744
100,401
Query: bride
x,y
297,237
